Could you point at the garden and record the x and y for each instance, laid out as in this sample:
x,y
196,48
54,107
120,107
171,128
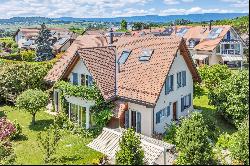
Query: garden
x,y
220,133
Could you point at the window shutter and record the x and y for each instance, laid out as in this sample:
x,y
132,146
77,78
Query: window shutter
x,y
172,82
75,78
168,111
90,80
189,96
184,78
182,104
158,117
167,86
126,119
138,123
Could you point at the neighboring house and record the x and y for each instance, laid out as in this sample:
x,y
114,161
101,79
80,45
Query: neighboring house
x,y
61,38
150,79
213,44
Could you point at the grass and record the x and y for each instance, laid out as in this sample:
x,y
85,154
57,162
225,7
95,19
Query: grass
x,y
72,149
201,103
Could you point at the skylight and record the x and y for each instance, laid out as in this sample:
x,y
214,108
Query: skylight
x,y
215,32
124,57
181,32
146,55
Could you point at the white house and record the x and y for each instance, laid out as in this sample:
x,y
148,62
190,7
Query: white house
x,y
213,44
150,79
60,38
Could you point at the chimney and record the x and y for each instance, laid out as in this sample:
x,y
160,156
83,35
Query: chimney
x,y
111,36
210,25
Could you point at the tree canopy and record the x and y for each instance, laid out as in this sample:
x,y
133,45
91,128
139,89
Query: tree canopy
x,y
43,48
192,141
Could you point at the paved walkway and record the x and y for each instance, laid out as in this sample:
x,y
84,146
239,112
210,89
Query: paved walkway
x,y
49,109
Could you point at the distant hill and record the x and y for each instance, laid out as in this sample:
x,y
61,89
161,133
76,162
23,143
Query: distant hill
x,y
147,18
160,19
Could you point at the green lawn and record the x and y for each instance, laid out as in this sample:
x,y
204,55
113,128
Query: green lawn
x,y
72,149
210,111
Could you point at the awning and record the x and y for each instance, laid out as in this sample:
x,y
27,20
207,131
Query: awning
x,y
199,57
232,58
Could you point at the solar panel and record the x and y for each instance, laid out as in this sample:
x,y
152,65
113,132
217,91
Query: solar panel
x,y
215,32
124,57
146,55
181,32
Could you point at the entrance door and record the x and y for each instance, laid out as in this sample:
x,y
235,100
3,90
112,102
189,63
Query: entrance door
x,y
133,119
175,111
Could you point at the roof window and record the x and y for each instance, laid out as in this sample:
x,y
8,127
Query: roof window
x,y
146,55
215,32
124,56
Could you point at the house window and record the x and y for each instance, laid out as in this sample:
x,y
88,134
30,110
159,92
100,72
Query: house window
x,y
169,84
86,80
185,102
181,79
168,111
75,78
159,116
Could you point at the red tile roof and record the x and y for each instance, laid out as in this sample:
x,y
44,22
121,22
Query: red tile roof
x,y
100,62
143,81
81,42
140,81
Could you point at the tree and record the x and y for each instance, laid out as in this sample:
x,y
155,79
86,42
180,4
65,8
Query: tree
x,y
32,101
16,77
49,141
130,152
192,141
43,49
124,25
213,75
239,143
231,98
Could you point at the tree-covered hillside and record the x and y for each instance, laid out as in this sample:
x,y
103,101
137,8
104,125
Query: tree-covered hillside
x,y
241,24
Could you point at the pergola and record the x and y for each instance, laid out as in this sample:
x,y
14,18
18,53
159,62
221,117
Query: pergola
x,y
155,151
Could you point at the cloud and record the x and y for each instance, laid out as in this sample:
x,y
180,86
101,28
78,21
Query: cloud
x,y
174,2
109,8
238,3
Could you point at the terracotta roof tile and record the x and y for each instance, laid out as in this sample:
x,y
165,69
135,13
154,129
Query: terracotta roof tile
x,y
143,81
100,62
81,42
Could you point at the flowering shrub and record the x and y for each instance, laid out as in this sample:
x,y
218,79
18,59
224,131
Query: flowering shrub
x,y
6,129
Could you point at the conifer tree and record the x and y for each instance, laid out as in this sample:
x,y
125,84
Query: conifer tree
x,y
43,49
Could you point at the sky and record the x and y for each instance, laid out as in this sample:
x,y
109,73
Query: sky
x,y
116,8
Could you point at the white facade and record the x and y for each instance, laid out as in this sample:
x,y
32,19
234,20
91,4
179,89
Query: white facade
x,y
79,68
148,115
178,65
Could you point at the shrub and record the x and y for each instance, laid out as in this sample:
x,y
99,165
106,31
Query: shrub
x,y
7,129
102,117
7,155
213,75
16,77
32,101
231,98
28,55
239,143
63,122
171,133
49,141
18,131
223,141
192,141
130,152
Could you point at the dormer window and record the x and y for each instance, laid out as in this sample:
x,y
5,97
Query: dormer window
x,y
146,55
124,56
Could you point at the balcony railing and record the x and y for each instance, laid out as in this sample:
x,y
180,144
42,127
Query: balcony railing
x,y
230,52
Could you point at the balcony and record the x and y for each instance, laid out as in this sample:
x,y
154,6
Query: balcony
x,y
230,52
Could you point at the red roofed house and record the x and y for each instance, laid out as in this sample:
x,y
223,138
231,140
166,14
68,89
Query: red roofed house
x,y
213,44
149,78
